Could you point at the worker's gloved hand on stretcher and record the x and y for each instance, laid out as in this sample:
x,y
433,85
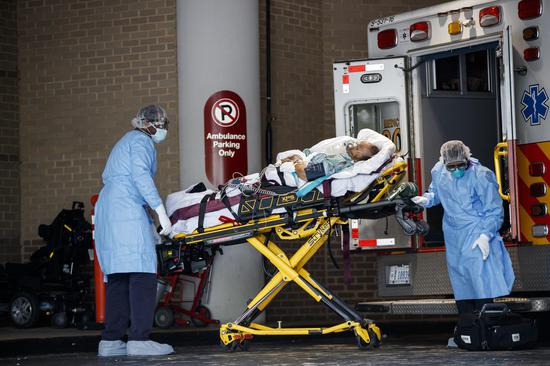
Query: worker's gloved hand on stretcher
x,y
164,220
420,200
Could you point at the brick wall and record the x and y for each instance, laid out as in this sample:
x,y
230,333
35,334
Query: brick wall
x,y
297,72
10,249
86,67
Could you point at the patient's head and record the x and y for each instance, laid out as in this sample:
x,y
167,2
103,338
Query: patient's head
x,y
361,150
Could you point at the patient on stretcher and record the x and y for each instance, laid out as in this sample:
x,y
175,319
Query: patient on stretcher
x,y
341,157
347,164
323,164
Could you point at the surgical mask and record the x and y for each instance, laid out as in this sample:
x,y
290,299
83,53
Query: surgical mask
x,y
458,173
159,136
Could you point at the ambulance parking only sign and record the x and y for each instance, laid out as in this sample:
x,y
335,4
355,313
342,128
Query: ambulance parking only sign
x,y
225,147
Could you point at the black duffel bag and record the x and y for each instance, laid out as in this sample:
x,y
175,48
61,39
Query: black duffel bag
x,y
495,327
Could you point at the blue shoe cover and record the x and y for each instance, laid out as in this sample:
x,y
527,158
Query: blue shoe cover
x,y
111,348
148,348
451,343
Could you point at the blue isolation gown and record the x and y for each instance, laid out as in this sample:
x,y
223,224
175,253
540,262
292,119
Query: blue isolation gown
x,y
472,206
124,235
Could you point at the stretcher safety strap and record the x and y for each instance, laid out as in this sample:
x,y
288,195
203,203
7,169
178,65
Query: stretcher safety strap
x,y
327,190
345,250
227,204
202,210
281,176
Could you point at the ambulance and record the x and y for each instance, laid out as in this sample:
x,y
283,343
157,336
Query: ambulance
x,y
470,70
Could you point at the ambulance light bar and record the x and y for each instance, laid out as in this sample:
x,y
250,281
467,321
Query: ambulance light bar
x,y
420,31
531,33
531,54
529,9
489,16
387,39
454,27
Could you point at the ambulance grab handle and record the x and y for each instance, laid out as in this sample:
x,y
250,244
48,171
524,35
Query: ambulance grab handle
x,y
501,150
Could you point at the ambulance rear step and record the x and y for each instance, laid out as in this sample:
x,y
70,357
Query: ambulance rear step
x,y
446,306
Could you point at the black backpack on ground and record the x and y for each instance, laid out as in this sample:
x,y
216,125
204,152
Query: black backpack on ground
x,y
495,327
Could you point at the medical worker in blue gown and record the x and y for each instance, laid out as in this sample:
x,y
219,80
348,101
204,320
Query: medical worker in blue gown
x,y
125,240
479,265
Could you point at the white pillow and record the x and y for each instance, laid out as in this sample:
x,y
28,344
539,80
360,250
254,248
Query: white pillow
x,y
386,150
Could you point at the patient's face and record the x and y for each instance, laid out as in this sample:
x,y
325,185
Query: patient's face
x,y
361,150
292,158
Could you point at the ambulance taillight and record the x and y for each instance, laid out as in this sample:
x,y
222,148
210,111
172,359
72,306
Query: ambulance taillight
x,y
531,33
387,39
489,16
539,210
531,54
540,231
420,31
529,9
537,189
537,169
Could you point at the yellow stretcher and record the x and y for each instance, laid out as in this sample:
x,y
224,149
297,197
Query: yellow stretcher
x,y
315,224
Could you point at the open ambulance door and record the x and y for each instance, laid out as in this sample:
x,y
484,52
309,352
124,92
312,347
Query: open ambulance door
x,y
505,152
372,94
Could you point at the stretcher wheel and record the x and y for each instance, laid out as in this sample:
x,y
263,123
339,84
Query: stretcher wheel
x,y
231,347
374,341
244,345
164,317
205,313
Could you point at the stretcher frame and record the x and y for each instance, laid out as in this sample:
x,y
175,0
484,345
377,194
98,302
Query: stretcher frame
x,y
315,224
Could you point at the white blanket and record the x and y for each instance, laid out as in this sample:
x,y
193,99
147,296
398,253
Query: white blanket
x,y
180,199
353,179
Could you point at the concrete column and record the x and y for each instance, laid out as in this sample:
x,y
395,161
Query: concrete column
x,y
218,64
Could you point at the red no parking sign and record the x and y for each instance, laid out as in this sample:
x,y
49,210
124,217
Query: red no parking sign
x,y
225,147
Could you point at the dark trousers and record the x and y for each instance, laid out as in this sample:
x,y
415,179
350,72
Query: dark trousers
x,y
469,306
129,299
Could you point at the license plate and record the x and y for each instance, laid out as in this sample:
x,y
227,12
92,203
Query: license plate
x,y
399,275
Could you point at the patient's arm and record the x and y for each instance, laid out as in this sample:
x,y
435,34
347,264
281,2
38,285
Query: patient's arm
x,y
332,163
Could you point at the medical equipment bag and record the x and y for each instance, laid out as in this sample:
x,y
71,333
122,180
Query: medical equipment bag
x,y
495,327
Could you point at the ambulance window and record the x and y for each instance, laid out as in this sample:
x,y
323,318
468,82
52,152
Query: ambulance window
x,y
477,71
447,74
366,116
382,117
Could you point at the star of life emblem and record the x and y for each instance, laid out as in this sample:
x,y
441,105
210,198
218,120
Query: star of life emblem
x,y
534,107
